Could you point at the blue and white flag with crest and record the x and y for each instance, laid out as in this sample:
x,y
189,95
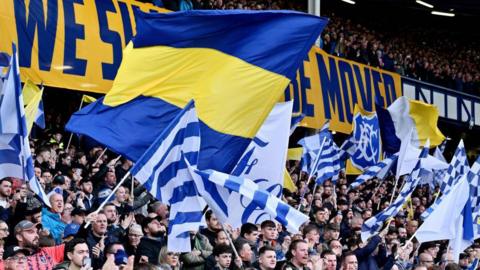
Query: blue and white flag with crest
x,y
366,132
264,163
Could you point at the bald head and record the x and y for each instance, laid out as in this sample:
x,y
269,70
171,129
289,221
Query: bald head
x,y
56,201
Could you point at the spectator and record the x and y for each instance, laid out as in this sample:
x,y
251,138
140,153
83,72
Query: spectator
x,y
267,259
40,258
169,260
297,256
151,243
51,219
77,252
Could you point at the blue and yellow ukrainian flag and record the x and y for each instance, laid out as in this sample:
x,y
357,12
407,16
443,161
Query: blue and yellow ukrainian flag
x,y
234,64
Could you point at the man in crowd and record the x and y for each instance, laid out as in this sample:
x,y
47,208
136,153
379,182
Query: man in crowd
x,y
40,258
78,255
213,226
297,256
51,218
267,259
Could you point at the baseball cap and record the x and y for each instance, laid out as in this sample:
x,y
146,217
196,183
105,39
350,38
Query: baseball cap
x,y
14,250
71,230
24,225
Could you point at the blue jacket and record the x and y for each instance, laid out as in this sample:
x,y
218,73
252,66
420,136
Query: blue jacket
x,y
53,223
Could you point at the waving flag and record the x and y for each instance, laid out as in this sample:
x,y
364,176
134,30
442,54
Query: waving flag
x,y
15,155
321,155
33,105
230,62
366,133
456,169
373,224
373,171
209,180
163,172
264,163
405,114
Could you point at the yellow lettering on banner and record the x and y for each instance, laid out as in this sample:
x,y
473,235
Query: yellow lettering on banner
x,y
335,85
73,44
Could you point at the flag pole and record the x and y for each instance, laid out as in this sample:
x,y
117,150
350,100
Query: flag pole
x,y
133,186
231,243
101,155
312,171
71,134
110,195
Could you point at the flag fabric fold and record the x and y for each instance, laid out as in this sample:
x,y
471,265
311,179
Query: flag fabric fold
x,y
15,155
373,171
321,155
373,224
163,172
405,114
288,216
366,132
198,55
264,163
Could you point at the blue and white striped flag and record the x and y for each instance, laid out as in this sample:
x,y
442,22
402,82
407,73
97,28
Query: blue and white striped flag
x,y
209,180
457,168
327,165
15,155
473,177
163,172
372,225
373,171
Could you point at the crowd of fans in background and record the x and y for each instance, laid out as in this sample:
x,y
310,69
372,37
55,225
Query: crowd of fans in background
x,y
131,230
414,52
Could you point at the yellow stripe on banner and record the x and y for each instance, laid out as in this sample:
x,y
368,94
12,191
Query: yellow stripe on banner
x,y
288,182
425,117
231,95
295,153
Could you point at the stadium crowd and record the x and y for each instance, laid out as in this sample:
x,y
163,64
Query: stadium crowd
x,y
413,52
130,232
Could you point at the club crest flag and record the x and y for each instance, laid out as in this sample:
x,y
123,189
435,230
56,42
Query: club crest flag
x,y
264,163
366,135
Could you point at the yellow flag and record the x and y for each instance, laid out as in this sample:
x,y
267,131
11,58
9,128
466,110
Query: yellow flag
x,y
31,109
88,99
288,182
30,90
295,153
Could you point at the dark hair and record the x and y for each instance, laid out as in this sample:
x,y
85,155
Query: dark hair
x,y
240,243
221,249
327,252
268,224
309,228
109,247
208,214
346,254
248,228
8,179
265,249
70,245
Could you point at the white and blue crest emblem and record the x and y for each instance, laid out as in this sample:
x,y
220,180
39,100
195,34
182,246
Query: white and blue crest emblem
x,y
367,135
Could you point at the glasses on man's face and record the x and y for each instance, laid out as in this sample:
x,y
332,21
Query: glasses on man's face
x,y
135,235
18,258
4,229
